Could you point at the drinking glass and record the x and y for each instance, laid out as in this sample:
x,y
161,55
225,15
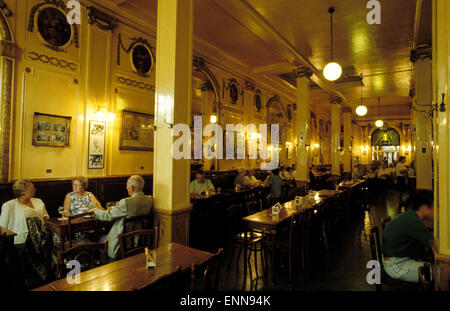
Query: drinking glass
x,y
61,212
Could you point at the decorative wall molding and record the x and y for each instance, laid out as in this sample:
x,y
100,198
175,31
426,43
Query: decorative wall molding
x,y
420,54
101,19
134,83
61,5
250,85
54,61
135,42
206,86
198,64
4,9
8,49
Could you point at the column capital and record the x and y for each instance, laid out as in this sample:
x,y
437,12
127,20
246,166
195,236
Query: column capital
x,y
206,86
303,71
420,54
412,92
346,109
335,100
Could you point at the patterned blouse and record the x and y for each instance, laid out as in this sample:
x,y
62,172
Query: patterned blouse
x,y
81,204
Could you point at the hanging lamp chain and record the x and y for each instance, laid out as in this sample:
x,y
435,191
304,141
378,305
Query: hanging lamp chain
x,y
331,11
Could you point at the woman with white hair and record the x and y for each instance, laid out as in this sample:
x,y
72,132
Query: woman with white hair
x,y
25,215
80,200
240,178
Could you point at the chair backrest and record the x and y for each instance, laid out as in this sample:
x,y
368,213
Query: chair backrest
x,y
89,255
253,206
135,242
69,225
235,214
138,222
375,248
385,221
209,270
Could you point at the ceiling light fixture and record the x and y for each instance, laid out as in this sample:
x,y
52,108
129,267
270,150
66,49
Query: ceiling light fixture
x,y
332,70
379,122
361,110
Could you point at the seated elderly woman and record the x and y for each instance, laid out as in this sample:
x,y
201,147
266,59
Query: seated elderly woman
x,y
79,200
25,216
240,178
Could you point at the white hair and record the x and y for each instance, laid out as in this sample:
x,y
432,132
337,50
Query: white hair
x,y
137,182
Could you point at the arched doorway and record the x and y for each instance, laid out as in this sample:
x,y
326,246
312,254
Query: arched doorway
x,y
7,55
385,145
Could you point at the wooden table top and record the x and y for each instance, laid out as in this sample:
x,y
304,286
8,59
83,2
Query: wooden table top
x,y
130,273
79,224
289,209
9,233
351,184
327,193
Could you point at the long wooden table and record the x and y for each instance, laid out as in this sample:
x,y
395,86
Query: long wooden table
x,y
270,224
131,273
60,227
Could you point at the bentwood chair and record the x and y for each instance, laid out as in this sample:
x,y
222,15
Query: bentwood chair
x,y
135,242
207,273
89,255
70,219
137,222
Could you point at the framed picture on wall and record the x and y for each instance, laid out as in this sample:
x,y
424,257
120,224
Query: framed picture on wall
x,y
51,130
137,132
96,153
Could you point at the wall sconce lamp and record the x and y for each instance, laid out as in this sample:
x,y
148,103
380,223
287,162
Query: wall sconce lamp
x,y
431,108
103,113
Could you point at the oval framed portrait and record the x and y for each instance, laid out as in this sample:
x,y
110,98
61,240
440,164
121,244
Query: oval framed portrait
x,y
53,28
289,114
258,102
141,59
234,93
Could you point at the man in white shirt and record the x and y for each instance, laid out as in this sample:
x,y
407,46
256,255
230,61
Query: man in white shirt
x,y
201,183
356,174
294,172
250,179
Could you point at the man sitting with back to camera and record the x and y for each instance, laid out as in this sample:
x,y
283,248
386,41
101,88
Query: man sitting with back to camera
x,y
406,239
137,204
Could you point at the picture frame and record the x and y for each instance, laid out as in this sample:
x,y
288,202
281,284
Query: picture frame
x,y
137,131
51,130
97,140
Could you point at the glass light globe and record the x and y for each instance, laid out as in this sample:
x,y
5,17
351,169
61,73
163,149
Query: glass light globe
x,y
361,110
332,71
213,119
379,123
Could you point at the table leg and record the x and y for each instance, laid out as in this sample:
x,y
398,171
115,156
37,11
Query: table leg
x,y
274,247
245,256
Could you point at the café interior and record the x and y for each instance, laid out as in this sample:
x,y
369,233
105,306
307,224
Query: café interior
x,y
94,95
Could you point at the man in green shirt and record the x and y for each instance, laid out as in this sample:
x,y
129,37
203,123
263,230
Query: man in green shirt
x,y
405,239
201,183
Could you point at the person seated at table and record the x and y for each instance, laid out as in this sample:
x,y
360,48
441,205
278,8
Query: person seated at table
x,y
383,172
406,239
136,204
283,173
79,200
294,172
25,216
201,183
401,171
251,180
288,173
356,174
275,182
240,178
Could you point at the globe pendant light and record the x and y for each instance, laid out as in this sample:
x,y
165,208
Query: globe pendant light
x,y
361,110
379,122
332,70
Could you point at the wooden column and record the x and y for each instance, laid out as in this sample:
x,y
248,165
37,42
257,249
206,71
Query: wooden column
x,y
347,115
302,123
422,105
172,106
441,85
335,134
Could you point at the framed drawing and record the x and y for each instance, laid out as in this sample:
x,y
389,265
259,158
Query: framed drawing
x,y
137,131
51,130
96,153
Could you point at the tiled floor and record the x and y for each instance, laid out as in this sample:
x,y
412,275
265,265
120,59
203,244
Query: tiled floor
x,y
341,267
